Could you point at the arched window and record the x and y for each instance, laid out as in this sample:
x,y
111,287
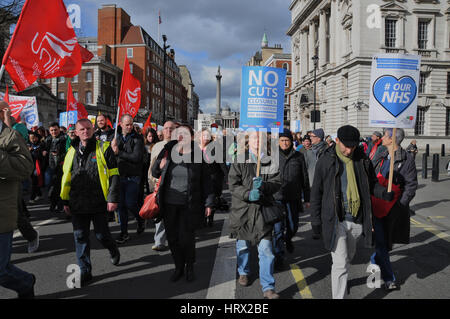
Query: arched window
x,y
286,66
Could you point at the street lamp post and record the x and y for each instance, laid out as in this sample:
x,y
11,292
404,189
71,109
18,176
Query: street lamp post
x,y
315,58
165,47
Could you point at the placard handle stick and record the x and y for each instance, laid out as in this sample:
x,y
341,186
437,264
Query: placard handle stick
x,y
392,154
258,165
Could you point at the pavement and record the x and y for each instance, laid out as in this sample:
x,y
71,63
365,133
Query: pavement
x,y
421,267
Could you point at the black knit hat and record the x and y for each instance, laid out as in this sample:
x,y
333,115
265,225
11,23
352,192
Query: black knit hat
x,y
348,135
286,133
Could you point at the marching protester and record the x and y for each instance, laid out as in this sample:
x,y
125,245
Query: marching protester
x,y
160,232
374,145
150,140
55,148
341,203
294,184
70,136
90,188
305,146
185,197
129,149
391,221
36,148
247,225
104,131
16,165
208,146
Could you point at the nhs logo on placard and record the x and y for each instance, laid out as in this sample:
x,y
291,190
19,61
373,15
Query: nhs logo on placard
x,y
64,121
395,95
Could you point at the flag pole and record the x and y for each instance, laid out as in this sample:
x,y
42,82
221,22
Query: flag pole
x,y
258,165
2,70
117,121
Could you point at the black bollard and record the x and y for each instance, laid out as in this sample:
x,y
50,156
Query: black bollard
x,y
427,150
443,150
435,169
424,166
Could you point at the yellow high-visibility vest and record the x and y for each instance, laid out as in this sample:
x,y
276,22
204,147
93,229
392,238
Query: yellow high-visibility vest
x,y
103,170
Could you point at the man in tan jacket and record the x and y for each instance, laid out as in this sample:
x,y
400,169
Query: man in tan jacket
x,y
160,232
16,165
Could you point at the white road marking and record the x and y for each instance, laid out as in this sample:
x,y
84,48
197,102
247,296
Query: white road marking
x,y
223,278
45,222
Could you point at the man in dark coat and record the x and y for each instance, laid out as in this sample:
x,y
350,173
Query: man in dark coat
x,y
294,186
104,132
395,226
90,188
341,203
129,149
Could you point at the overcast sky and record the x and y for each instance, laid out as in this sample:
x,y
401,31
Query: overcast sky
x,y
205,34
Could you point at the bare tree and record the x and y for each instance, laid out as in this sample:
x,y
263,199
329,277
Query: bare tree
x,y
9,14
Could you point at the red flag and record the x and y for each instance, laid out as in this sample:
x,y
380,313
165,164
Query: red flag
x,y
44,44
108,122
147,123
130,93
74,105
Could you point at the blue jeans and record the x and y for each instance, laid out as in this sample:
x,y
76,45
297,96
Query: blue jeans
x,y
12,277
266,259
381,254
288,225
129,191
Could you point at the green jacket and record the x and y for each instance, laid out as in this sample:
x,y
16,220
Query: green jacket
x,y
246,221
16,164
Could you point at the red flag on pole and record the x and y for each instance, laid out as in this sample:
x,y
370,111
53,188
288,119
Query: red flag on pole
x,y
130,93
147,123
74,105
44,44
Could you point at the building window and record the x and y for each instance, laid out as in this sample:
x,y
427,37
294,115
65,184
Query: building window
x,y
420,122
423,34
286,67
447,122
131,68
448,83
129,52
47,81
88,97
423,83
104,78
61,79
61,95
113,79
390,33
88,76
75,95
286,84
75,79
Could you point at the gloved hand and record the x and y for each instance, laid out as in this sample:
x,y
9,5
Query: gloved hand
x,y
388,196
257,182
254,195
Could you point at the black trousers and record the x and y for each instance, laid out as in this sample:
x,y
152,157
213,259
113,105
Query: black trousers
x,y
23,223
81,230
180,234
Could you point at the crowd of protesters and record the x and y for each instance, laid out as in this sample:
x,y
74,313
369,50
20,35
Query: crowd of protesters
x,y
94,175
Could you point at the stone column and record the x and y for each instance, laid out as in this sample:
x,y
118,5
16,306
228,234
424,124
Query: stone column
x,y
333,35
322,39
311,44
303,55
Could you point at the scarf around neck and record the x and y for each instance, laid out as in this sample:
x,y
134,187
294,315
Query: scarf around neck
x,y
353,198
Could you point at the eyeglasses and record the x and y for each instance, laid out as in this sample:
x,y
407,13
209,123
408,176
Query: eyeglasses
x,y
312,136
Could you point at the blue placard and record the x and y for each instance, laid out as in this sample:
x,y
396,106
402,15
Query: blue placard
x,y
296,126
262,98
73,116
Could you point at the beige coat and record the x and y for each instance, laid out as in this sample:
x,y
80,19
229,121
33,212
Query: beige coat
x,y
16,164
157,148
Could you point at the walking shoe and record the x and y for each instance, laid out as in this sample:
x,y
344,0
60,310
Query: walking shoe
x,y
159,247
270,294
28,294
115,257
177,274
52,208
390,285
289,246
140,228
37,198
190,272
34,245
85,279
122,238
31,201
243,280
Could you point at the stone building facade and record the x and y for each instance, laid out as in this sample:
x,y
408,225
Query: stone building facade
x,y
344,35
